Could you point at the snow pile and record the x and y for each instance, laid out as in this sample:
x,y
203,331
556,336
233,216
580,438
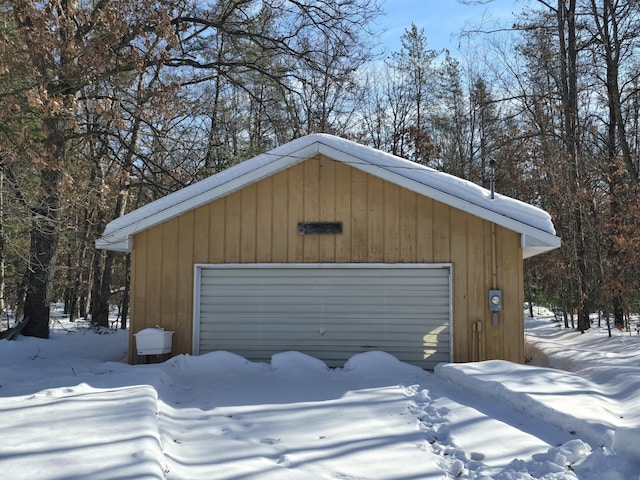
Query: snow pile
x,y
542,393
72,408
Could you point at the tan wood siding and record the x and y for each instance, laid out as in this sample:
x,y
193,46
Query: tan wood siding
x,y
184,284
457,245
407,226
280,227
264,220
343,209
477,278
381,223
201,245
327,210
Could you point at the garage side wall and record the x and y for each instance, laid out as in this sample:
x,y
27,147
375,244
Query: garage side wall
x,y
382,223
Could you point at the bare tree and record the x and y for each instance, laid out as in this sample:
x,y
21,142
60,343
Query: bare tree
x,y
76,55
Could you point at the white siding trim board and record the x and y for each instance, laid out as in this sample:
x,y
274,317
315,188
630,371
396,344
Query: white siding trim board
x,y
331,311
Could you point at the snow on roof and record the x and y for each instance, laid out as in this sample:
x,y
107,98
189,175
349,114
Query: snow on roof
x,y
533,223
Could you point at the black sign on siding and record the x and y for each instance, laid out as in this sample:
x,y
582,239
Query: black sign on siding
x,y
319,228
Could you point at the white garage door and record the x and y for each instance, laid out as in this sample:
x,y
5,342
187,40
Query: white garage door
x,y
329,311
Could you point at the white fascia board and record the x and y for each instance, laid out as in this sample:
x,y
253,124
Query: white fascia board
x,y
115,244
121,239
528,252
534,245
544,239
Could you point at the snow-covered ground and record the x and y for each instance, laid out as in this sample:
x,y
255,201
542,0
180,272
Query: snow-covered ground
x,y
71,408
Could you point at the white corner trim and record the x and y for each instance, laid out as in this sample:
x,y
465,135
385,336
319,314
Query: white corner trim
x,y
195,339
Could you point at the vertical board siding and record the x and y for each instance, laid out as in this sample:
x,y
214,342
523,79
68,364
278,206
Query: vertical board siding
x,y
476,285
441,234
508,247
169,265
381,223
264,220
295,212
248,220
184,283
458,248
391,219
280,225
375,220
233,228
343,211
154,275
408,226
424,229
201,232
327,212
216,219
359,217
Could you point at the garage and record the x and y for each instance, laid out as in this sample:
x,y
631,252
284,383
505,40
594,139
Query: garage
x,y
329,311
332,248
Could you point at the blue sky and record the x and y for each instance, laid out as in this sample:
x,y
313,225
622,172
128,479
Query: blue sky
x,y
442,20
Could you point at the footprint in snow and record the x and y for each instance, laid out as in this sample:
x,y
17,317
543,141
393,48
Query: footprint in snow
x,y
342,476
410,391
269,441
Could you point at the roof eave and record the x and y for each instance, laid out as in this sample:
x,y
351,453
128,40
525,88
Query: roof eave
x,y
545,239
115,243
534,240
533,245
121,239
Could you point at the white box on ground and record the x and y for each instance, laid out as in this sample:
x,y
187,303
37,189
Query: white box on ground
x,y
153,341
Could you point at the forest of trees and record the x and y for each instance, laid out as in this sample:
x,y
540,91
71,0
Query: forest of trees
x,y
106,105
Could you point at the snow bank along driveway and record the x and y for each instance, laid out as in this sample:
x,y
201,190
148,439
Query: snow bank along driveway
x,y
66,413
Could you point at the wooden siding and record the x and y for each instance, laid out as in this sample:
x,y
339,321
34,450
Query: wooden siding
x,y
382,223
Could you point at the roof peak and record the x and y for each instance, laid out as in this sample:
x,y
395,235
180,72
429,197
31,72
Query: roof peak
x,y
514,214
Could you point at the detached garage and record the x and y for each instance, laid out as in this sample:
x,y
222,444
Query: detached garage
x,y
332,248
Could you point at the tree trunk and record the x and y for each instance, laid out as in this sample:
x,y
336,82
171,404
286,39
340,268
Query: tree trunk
x,y
102,290
569,80
44,244
2,263
102,282
613,41
125,294
44,231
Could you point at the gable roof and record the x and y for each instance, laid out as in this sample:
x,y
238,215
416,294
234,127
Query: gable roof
x,y
534,224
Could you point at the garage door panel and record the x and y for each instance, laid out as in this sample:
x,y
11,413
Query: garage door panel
x,y
302,289
302,311
330,332
311,304
406,349
229,283
330,313
417,295
329,271
371,343
395,282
